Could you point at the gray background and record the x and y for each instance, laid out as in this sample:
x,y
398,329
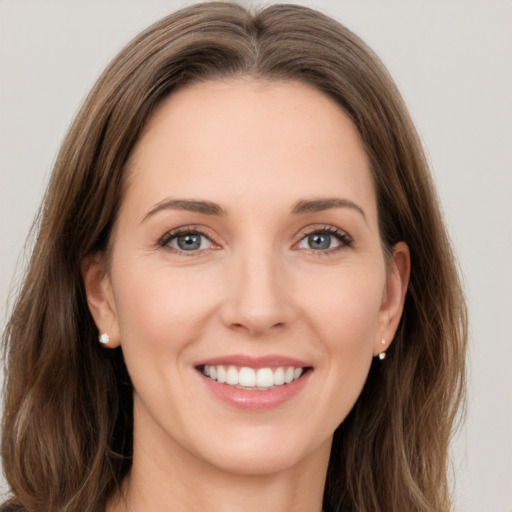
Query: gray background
x,y
452,60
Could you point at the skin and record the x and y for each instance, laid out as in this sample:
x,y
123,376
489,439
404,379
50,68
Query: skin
x,y
256,286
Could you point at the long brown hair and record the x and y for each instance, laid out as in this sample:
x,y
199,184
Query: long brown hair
x,y
67,437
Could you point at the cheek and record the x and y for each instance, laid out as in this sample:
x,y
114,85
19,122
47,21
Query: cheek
x,y
341,320
348,319
156,306
346,308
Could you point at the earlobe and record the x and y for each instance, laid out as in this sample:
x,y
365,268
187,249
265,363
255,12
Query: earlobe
x,y
393,299
100,299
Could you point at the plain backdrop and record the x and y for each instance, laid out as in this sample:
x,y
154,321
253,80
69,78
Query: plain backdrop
x,y
452,60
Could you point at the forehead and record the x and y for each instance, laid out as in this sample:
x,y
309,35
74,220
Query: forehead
x,y
250,136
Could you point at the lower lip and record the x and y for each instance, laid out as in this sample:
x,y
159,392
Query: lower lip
x,y
256,400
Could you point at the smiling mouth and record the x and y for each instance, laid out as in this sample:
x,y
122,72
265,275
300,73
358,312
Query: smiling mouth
x,y
251,378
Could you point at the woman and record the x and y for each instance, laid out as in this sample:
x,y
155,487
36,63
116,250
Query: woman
x,y
242,295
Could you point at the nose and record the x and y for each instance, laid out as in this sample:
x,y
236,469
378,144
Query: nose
x,y
259,298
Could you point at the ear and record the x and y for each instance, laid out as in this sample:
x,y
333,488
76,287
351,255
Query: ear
x,y
100,299
393,298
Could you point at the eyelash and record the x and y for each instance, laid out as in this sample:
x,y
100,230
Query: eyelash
x,y
342,236
344,239
172,235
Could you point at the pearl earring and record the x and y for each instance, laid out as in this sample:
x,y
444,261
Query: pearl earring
x,y
104,338
382,355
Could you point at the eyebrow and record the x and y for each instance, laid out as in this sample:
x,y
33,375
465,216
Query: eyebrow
x,y
318,205
204,207
210,208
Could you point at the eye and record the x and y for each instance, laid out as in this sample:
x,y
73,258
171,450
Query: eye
x,y
325,239
187,240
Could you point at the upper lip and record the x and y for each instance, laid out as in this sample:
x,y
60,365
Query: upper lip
x,y
267,361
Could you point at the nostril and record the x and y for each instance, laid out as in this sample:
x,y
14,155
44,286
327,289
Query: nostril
x,y
257,328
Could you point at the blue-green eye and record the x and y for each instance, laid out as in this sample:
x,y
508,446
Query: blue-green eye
x,y
324,240
188,241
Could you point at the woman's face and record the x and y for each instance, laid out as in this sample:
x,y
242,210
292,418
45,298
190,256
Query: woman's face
x,y
247,248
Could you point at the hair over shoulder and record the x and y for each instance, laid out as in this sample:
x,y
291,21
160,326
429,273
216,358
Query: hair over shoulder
x,y
67,425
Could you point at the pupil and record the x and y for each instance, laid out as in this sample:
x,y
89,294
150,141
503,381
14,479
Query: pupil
x,y
189,242
319,241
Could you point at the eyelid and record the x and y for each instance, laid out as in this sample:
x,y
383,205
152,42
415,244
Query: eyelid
x,y
164,240
345,239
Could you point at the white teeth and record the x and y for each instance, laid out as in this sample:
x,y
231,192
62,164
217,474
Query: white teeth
x,y
279,377
232,376
247,377
262,378
288,375
221,374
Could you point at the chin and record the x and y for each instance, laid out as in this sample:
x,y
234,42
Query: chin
x,y
254,454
